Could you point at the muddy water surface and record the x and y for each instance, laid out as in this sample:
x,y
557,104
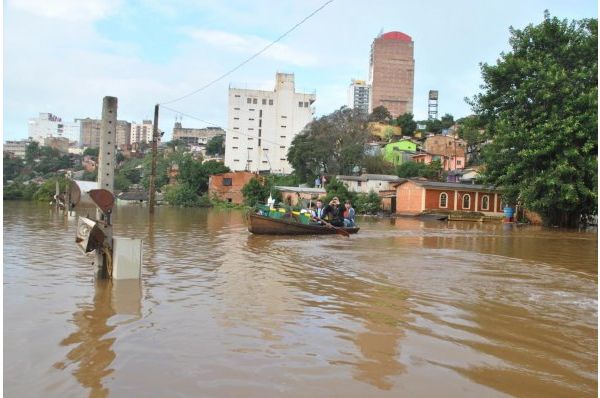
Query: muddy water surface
x,y
404,308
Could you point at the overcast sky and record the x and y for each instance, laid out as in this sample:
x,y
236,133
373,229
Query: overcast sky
x,y
63,56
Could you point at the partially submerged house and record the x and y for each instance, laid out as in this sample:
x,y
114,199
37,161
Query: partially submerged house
x,y
228,186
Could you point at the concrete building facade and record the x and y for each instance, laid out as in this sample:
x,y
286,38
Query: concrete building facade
x,y
391,73
262,124
49,125
89,136
17,148
196,137
359,93
141,132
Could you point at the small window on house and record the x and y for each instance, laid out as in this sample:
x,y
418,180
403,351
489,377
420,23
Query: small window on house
x,y
251,109
300,104
282,159
236,128
359,183
250,148
250,128
229,200
264,161
260,113
306,104
259,141
255,101
259,122
466,201
270,102
458,163
249,100
282,147
236,160
236,118
236,138
282,127
234,147
259,132
237,96
284,117
443,200
250,138
250,119
236,109
227,182
264,102
282,136
485,202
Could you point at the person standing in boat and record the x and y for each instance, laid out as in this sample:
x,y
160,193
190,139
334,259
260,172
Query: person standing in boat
x,y
333,213
319,212
349,215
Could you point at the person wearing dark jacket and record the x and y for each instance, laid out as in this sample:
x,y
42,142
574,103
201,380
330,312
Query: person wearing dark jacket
x,y
333,213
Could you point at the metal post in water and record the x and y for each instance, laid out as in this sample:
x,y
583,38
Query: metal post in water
x,y
152,188
106,174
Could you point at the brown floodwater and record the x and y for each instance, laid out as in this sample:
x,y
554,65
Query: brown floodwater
x,y
404,308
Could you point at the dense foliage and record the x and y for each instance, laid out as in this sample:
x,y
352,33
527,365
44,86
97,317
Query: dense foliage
x,y
432,171
540,104
332,144
258,189
216,145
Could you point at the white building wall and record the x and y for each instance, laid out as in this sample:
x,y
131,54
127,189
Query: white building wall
x,y
141,132
262,124
49,125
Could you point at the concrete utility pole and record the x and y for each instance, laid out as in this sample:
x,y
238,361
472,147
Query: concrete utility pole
x,y
154,155
106,171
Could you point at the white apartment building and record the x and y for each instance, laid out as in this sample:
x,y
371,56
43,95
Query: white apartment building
x,y
262,124
358,95
17,148
141,132
48,125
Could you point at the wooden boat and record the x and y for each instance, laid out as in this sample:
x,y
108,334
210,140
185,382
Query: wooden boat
x,y
263,225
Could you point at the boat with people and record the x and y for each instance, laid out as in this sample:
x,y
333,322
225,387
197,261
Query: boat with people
x,y
266,220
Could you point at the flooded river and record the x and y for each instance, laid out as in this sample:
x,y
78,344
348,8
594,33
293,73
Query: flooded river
x,y
404,308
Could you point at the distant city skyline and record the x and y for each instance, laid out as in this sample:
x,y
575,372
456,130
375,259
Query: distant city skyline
x,y
64,57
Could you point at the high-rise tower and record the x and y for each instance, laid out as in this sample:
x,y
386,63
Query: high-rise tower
x,y
392,72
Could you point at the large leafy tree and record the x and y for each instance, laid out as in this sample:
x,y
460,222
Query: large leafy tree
x,y
332,144
540,103
381,114
216,145
406,123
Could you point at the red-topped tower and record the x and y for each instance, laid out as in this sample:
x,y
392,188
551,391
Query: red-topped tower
x,y
392,72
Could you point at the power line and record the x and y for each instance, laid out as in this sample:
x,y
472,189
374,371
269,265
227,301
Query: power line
x,y
251,57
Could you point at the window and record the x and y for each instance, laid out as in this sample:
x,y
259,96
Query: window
x,y
466,201
270,102
250,148
251,110
282,127
250,128
249,100
227,182
236,118
237,96
236,160
236,128
282,136
260,113
306,104
236,109
284,117
359,183
259,132
264,101
229,200
282,159
458,163
250,138
234,147
259,140
259,122
236,138
250,119
443,200
282,147
264,161
254,101
485,202
300,104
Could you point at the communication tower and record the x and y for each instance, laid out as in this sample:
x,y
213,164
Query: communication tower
x,y
432,108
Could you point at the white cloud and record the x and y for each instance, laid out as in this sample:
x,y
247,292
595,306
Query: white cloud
x,y
250,44
71,10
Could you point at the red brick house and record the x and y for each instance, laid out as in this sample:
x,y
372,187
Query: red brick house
x,y
416,196
228,186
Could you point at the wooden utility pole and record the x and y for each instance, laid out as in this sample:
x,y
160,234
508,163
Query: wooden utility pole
x,y
106,171
154,155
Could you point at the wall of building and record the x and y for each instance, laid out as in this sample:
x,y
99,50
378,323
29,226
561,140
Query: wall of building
x,y
409,198
49,125
392,73
445,145
262,125
141,132
359,93
231,193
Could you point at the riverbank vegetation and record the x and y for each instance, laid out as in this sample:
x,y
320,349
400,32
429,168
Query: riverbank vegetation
x,y
540,108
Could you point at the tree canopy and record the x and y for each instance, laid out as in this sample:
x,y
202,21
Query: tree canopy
x,y
407,123
540,104
216,145
332,144
381,114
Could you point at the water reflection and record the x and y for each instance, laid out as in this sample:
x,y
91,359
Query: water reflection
x,y
93,353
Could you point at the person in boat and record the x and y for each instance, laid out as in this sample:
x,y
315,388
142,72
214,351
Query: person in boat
x,y
318,213
349,215
333,213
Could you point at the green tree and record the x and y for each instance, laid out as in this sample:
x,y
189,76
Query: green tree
x,y
380,114
182,195
471,129
216,145
540,103
332,144
32,152
432,171
407,123
91,152
258,189
377,165
12,167
447,121
367,203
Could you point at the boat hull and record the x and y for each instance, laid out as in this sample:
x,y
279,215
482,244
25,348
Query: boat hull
x,y
262,225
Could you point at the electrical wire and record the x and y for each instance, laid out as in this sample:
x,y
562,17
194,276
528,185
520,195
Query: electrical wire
x,y
251,57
